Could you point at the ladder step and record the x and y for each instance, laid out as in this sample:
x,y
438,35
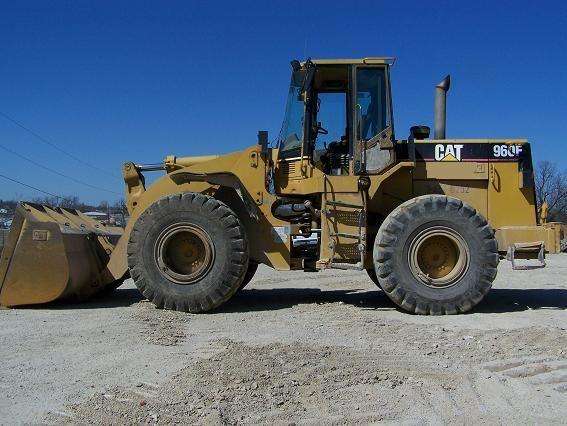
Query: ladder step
x,y
345,235
341,204
346,266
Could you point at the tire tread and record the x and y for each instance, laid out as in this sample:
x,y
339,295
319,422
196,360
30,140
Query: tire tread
x,y
211,297
388,235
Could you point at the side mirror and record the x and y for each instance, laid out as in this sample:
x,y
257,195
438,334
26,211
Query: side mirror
x,y
263,141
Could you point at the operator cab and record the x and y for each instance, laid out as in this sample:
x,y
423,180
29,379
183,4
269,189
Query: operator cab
x,y
338,117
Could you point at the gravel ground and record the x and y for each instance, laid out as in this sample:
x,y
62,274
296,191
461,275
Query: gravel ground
x,y
293,348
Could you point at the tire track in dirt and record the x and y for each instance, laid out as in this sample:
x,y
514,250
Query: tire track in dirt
x,y
543,373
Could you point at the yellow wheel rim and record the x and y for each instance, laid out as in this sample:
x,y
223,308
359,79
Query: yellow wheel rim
x,y
438,257
184,253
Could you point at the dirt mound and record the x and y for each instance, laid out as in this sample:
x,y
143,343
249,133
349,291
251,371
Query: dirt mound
x,y
273,383
286,384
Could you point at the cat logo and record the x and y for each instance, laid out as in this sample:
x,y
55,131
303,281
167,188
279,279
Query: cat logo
x,y
448,152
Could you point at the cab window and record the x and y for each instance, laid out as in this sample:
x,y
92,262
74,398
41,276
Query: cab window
x,y
371,102
332,121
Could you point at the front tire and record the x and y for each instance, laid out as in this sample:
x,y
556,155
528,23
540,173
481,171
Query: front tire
x,y
252,268
372,275
435,255
188,252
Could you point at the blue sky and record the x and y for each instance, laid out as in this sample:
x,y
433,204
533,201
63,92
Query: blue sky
x,y
110,81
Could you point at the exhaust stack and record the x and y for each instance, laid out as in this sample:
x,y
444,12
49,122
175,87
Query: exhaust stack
x,y
441,107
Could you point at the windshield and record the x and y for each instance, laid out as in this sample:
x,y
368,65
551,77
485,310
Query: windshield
x,y
291,134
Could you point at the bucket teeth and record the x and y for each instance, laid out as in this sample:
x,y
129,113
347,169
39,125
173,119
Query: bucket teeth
x,y
52,253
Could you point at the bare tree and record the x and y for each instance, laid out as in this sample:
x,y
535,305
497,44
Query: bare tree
x,y
120,207
70,202
120,212
551,187
47,200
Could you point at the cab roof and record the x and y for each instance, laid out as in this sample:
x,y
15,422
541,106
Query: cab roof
x,y
387,60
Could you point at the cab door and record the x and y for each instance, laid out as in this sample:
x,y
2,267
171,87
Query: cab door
x,y
372,131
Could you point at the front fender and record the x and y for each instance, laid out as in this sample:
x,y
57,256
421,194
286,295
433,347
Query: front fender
x,y
242,171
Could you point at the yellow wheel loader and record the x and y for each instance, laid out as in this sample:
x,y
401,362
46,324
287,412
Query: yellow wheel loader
x,y
428,218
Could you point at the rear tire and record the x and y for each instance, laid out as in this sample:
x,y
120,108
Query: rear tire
x,y
188,252
435,255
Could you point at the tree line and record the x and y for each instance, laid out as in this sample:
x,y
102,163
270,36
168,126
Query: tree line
x,y
70,202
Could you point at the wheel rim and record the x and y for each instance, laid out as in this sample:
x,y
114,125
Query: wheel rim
x,y
438,257
184,253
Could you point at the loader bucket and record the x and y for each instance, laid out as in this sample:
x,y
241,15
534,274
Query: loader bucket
x,y
55,253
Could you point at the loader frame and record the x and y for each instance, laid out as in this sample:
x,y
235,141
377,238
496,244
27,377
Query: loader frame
x,y
306,208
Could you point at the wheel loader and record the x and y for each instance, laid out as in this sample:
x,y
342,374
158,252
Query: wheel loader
x,y
428,218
